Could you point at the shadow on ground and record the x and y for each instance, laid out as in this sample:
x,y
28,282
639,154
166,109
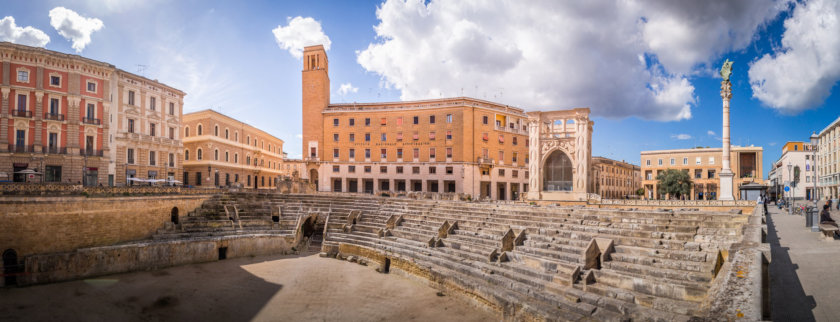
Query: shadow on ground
x,y
787,297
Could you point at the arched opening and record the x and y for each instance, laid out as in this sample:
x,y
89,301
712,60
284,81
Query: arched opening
x,y
386,266
173,215
308,227
313,177
557,172
10,267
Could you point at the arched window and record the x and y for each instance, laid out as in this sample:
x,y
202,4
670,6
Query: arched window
x,y
187,131
236,158
227,134
557,172
248,140
187,155
198,154
236,136
227,157
248,160
216,155
216,130
199,129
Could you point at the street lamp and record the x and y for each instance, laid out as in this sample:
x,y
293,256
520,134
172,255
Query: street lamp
x,y
815,221
790,184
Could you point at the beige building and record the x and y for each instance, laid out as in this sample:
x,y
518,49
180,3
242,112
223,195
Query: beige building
x,y
146,130
457,145
828,158
222,151
796,155
704,166
615,179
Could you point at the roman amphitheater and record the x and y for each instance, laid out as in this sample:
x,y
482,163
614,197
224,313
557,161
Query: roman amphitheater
x,y
612,260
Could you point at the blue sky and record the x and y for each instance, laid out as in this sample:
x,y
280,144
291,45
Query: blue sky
x,y
647,70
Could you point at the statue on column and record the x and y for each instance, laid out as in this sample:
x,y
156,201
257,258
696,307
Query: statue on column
x,y
726,70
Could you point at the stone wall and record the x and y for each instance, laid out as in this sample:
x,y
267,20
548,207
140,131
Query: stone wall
x,y
37,225
97,261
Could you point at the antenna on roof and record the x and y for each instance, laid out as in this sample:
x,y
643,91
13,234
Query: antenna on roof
x,y
141,69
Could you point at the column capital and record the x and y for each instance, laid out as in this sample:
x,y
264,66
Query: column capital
x,y
6,91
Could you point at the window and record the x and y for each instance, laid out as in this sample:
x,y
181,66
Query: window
x,y
384,137
416,120
248,140
485,137
91,87
484,120
186,132
698,173
54,106
685,161
432,170
514,173
131,126
152,103
449,135
367,121
697,160
172,133
352,137
186,155
431,135
399,121
383,121
485,154
23,76
399,136
216,130
335,153
383,154
55,80
399,153
227,134
335,137
351,122
171,108
432,154
416,153
198,155
216,154
514,140
399,169
415,170
673,161
448,118
152,158
21,106
367,169
367,153
711,174
227,156
336,168
449,170
199,129
416,136
383,169
335,122
131,98
514,157
91,111
501,156
711,160
171,160
129,156
501,138
351,169
660,161
501,172
431,119
151,129
247,160
367,137
449,153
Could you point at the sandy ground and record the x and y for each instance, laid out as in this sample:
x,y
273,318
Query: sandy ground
x,y
306,288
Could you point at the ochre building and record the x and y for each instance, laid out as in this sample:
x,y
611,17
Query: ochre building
x,y
54,118
828,161
146,130
704,166
222,151
615,179
456,145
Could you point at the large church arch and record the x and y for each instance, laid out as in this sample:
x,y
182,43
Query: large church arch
x,y
558,172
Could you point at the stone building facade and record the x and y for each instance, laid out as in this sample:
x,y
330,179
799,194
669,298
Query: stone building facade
x,y
613,179
560,155
704,166
828,159
146,129
54,118
795,154
222,151
454,145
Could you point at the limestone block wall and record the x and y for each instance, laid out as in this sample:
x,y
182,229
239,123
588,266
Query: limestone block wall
x,y
38,225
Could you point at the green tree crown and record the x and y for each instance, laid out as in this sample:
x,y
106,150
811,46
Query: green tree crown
x,y
674,182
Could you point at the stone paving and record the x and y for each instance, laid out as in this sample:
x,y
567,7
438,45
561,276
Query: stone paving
x,y
804,272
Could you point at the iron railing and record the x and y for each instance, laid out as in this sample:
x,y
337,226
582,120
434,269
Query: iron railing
x,y
90,120
54,117
19,113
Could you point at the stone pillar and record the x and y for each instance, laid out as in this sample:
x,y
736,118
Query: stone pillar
x,y
534,186
38,116
726,173
4,121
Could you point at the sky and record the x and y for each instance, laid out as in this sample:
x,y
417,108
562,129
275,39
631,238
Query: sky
x,y
648,70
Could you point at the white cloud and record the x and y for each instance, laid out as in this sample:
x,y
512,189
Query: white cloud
x,y
300,32
347,88
800,75
710,133
682,136
299,136
74,27
772,144
28,35
556,54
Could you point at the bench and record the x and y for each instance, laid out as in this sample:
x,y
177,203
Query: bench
x,y
828,231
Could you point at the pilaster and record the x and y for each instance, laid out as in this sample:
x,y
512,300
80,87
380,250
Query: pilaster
x,y
4,117
38,115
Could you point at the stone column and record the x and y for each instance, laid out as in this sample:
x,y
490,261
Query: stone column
x,y
4,121
726,173
534,157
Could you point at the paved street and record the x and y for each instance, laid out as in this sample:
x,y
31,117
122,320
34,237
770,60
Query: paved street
x,y
804,272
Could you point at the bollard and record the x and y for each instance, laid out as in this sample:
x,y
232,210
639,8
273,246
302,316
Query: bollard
x,y
815,220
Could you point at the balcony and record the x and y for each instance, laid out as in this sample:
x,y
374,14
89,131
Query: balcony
x,y
54,117
19,113
92,121
484,161
55,150
90,152
21,148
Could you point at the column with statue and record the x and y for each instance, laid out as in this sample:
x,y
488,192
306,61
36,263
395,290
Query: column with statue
x,y
726,173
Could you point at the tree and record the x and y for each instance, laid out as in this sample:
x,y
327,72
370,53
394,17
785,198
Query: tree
x,y
674,183
640,192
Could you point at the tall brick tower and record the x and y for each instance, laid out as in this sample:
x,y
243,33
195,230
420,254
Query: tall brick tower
x,y
316,97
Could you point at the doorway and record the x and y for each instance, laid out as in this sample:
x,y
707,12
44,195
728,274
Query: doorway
x,y
10,267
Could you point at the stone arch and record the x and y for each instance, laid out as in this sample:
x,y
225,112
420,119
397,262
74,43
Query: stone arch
x,y
10,267
307,227
199,129
557,171
186,131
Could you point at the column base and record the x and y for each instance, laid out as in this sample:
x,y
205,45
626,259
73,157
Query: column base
x,y
726,186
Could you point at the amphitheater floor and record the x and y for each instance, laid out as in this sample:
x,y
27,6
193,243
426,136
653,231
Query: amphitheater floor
x,y
804,272
291,288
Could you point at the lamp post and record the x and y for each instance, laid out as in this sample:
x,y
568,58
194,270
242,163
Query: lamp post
x,y
815,223
790,184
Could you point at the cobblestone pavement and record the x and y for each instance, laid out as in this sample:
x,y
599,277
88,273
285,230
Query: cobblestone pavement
x,y
804,272
292,288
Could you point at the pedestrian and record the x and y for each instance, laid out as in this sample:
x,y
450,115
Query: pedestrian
x,y
763,199
825,217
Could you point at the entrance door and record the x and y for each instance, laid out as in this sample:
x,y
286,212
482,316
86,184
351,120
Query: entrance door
x,y
10,267
216,181
501,195
368,186
352,186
